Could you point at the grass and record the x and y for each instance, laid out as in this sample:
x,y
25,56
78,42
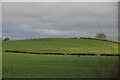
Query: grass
x,y
64,45
78,51
17,65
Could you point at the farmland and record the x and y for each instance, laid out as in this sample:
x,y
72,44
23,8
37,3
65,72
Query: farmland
x,y
64,45
19,65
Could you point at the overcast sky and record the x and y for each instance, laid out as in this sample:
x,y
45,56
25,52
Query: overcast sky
x,y
59,20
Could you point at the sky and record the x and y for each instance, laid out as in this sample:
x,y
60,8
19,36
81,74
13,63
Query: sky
x,y
0,20
22,20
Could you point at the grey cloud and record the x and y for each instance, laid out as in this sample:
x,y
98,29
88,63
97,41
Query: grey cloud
x,y
59,19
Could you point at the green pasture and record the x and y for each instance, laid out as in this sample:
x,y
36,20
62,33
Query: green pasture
x,y
16,65
63,45
114,51
20,65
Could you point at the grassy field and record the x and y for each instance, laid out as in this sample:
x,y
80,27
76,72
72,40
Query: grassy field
x,y
18,65
64,45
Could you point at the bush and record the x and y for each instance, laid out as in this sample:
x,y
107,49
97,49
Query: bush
x,y
6,39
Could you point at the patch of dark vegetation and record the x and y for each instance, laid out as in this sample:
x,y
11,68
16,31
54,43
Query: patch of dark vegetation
x,y
74,38
80,54
83,54
110,54
34,52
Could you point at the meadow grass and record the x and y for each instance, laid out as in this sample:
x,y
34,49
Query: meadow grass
x,y
17,65
64,45
115,51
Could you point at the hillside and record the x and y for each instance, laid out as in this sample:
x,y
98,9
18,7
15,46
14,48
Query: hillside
x,y
18,65
64,45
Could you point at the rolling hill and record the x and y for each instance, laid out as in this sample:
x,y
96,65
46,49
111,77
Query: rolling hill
x,y
62,45
34,66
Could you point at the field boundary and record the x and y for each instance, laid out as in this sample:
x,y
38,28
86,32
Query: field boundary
x,y
98,39
83,54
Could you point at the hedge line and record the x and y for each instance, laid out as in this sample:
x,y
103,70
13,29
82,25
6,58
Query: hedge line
x,y
83,54
97,39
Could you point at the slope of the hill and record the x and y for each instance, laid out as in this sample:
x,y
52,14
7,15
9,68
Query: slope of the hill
x,y
57,43
16,65
62,45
